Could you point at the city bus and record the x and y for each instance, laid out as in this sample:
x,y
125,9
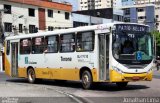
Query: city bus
x,y
86,54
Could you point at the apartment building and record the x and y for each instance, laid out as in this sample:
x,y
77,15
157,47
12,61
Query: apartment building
x,y
139,2
30,16
157,17
96,4
157,11
143,14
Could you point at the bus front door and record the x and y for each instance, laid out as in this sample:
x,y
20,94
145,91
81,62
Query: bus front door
x,y
104,56
14,59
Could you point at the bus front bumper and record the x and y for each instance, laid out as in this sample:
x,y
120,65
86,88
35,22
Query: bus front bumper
x,y
128,77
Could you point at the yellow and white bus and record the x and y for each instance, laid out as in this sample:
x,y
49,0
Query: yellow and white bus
x,y
88,54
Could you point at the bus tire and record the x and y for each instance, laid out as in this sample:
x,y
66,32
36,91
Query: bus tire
x,y
86,79
121,84
31,75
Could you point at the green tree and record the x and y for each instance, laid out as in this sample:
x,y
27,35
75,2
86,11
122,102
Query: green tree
x,y
156,36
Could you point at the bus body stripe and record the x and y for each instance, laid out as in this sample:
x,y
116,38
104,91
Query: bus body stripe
x,y
56,73
7,64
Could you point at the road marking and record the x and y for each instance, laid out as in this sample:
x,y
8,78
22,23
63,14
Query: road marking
x,y
75,98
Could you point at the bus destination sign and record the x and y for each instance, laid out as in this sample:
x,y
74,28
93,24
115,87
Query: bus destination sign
x,y
132,28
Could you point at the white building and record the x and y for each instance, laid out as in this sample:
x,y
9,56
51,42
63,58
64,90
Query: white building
x,y
96,4
24,16
30,16
139,2
157,17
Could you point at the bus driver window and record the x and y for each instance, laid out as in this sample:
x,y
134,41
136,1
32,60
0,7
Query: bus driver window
x,y
128,48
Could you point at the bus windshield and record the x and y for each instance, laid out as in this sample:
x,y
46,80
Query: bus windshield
x,y
132,47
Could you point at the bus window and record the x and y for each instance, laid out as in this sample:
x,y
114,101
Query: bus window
x,y
37,45
51,44
67,42
25,46
85,41
8,47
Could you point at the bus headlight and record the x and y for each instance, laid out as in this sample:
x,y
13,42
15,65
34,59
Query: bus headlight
x,y
117,69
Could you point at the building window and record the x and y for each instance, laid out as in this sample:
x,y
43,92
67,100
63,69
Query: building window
x,y
140,10
51,43
67,15
85,41
7,8
25,46
50,28
67,43
77,24
142,17
31,12
157,24
32,29
8,27
50,13
37,45
127,19
8,47
157,16
20,28
127,12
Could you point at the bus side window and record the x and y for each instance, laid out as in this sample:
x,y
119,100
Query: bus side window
x,y
51,44
25,46
67,42
38,45
8,47
85,41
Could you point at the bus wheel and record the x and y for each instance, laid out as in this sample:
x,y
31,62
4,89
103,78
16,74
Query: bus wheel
x,y
121,84
31,75
86,80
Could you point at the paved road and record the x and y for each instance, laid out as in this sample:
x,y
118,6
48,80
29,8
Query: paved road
x,y
156,74
72,92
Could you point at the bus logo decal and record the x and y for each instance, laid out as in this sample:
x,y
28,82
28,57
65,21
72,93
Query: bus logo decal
x,y
66,58
26,60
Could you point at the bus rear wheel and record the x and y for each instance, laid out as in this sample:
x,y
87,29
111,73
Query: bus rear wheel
x,y
31,75
121,84
86,79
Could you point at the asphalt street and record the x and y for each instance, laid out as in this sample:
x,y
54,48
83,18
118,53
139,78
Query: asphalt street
x,y
48,91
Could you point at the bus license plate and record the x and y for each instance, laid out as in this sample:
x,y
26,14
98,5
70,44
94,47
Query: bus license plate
x,y
135,78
